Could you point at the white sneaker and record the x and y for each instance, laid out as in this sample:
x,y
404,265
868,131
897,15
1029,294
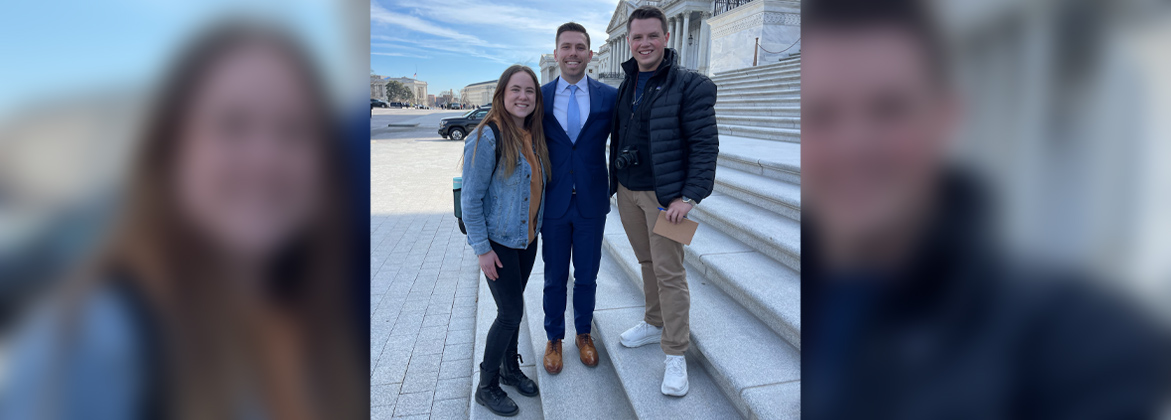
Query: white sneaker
x,y
675,377
641,335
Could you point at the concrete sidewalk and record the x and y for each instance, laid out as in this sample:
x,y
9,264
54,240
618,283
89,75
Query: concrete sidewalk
x,y
423,279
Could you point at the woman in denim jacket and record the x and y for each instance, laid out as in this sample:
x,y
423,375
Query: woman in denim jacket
x,y
503,204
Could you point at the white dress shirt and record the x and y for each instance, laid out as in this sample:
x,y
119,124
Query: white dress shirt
x,y
561,101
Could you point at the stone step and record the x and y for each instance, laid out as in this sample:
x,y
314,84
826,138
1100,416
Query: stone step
x,y
772,159
789,101
723,333
776,77
530,407
766,288
774,195
761,121
785,65
761,109
763,286
791,135
761,83
762,94
778,238
641,372
563,396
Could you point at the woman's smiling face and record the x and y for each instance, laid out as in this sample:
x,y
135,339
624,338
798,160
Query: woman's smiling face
x,y
250,167
521,95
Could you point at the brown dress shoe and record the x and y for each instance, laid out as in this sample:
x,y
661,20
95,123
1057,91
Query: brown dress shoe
x,y
589,354
553,357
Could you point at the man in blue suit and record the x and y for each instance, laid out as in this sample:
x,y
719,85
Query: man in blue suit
x,y
577,122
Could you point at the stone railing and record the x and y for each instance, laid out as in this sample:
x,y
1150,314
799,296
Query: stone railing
x,y
722,6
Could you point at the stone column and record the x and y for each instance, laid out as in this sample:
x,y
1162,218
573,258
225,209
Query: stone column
x,y
617,53
621,54
670,27
624,48
704,41
617,56
675,34
614,56
609,58
673,26
683,40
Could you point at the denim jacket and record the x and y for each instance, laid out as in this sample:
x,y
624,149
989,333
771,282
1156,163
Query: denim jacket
x,y
495,204
93,370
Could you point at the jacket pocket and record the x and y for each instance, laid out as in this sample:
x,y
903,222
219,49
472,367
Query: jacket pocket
x,y
512,180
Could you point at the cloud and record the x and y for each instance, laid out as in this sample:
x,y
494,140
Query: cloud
x,y
473,12
393,54
472,36
507,20
503,54
381,15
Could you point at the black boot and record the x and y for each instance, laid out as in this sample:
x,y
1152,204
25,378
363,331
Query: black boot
x,y
489,394
511,375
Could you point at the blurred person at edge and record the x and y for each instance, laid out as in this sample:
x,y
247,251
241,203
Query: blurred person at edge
x,y
912,311
222,292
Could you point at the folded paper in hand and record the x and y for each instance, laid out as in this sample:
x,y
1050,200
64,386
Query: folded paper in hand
x,y
681,233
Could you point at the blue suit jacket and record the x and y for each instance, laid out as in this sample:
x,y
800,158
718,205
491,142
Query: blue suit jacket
x,y
583,163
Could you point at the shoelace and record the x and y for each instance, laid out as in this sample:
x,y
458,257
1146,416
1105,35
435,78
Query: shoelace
x,y
497,393
675,366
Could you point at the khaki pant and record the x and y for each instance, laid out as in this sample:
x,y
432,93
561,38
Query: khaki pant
x,y
664,281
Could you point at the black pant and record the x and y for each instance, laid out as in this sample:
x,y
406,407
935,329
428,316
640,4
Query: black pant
x,y
508,291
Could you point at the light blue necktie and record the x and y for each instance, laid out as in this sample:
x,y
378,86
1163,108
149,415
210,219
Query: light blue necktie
x,y
573,115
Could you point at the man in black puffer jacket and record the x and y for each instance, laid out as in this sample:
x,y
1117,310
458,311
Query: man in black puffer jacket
x,y
663,149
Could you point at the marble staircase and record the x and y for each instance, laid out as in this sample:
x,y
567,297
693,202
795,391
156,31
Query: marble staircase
x,y
743,270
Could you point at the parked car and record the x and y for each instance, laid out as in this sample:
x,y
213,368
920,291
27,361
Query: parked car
x,y
376,103
456,128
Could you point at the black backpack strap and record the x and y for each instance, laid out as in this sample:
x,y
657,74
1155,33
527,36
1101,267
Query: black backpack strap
x,y
495,135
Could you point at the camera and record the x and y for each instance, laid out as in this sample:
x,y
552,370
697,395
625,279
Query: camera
x,y
626,158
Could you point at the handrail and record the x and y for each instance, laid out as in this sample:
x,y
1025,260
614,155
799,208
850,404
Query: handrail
x,y
786,49
721,6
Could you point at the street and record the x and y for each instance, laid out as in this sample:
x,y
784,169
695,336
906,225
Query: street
x,y
428,120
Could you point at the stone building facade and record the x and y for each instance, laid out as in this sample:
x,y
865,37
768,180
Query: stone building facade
x,y
550,70
478,94
710,35
417,87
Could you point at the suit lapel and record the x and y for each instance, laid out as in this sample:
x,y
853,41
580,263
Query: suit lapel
x,y
550,92
595,101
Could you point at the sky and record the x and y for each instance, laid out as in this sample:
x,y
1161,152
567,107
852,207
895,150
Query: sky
x,y
455,43
56,50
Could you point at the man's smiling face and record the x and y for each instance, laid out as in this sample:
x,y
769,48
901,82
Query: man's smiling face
x,y
573,54
647,41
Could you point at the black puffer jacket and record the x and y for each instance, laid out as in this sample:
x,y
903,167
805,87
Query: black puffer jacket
x,y
683,138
